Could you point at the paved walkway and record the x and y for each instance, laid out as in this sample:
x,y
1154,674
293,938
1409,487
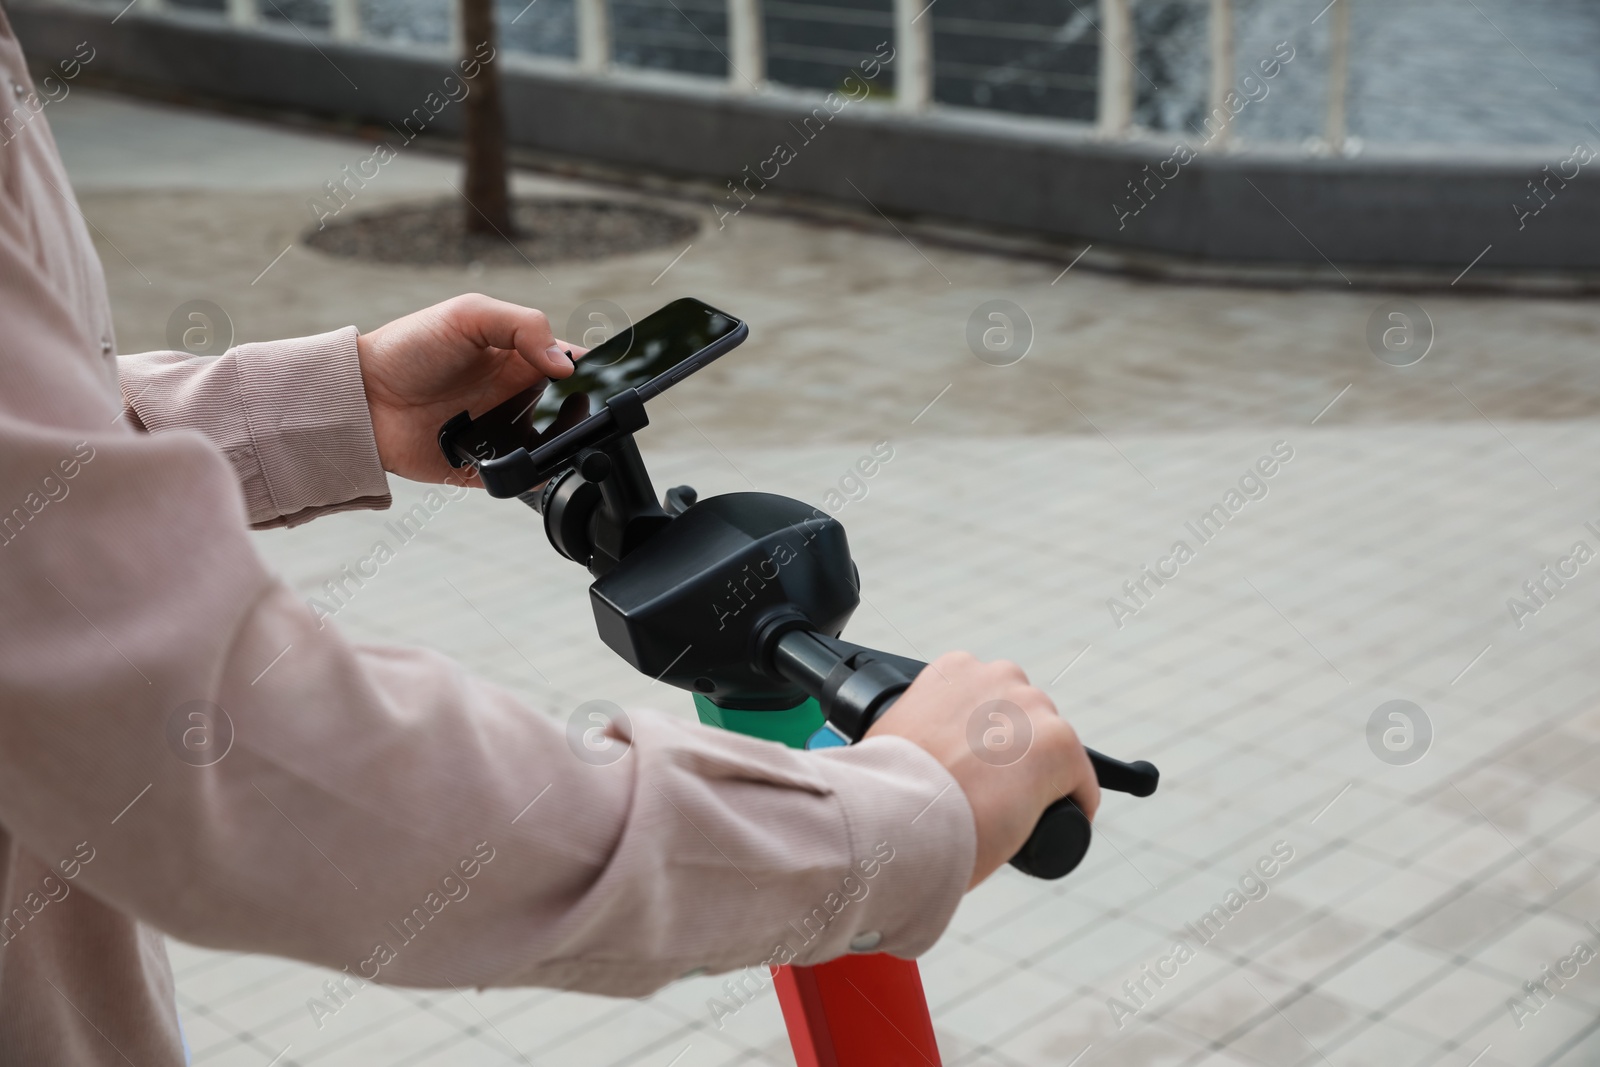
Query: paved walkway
x,y
1407,904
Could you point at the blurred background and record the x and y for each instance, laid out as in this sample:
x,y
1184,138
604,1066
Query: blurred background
x,y
1082,265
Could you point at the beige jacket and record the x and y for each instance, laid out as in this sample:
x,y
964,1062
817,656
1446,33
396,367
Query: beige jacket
x,y
370,812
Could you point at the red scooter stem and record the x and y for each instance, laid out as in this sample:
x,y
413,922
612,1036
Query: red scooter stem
x,y
863,1010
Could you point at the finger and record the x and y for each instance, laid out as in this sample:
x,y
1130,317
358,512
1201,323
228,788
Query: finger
x,y
574,409
492,323
1073,774
511,375
1087,793
1008,672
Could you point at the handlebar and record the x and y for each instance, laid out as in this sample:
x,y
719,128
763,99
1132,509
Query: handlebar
x,y
855,685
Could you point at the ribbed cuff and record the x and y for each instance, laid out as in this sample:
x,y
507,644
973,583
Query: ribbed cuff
x,y
313,431
291,416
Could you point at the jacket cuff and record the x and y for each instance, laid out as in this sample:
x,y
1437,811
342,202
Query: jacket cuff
x,y
291,416
905,810
313,432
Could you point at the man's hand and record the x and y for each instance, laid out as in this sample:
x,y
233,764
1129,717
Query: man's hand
x,y
466,354
1003,742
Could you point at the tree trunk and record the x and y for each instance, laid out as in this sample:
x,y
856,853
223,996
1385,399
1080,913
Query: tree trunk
x,y
488,205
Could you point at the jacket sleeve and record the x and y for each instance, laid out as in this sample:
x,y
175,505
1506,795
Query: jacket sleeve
x,y
289,416
249,779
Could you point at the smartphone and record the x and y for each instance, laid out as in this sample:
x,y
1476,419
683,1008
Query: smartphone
x,y
660,349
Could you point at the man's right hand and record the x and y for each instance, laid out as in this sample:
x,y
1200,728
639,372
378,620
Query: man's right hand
x,y
1004,743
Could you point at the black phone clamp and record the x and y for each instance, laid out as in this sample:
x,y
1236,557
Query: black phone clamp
x,y
519,471
740,598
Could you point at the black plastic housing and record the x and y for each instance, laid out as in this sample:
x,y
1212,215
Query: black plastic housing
x,y
685,606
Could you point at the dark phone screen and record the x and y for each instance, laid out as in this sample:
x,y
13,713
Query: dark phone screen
x,y
651,347
637,355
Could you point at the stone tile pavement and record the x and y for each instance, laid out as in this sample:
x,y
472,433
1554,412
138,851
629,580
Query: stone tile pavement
x,y
1407,906
1418,898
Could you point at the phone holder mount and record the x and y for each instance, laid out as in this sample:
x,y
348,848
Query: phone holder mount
x,y
738,598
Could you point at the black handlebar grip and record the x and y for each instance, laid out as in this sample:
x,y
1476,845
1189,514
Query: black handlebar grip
x,y
1061,839
1058,843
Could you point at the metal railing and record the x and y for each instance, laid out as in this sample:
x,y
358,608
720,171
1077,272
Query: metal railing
x,y
912,29
747,58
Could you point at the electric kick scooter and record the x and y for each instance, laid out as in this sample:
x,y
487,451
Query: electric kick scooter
x,y
674,597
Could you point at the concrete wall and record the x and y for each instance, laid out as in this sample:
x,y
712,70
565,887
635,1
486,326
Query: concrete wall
x,y
1045,179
